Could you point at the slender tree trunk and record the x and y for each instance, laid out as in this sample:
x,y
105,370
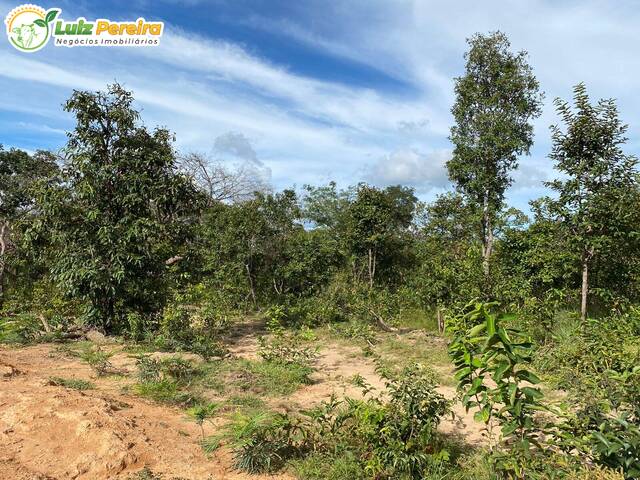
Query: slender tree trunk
x,y
586,257
487,240
3,249
251,288
440,318
372,266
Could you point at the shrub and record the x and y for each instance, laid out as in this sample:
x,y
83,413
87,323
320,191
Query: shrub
x,y
261,441
482,349
167,391
284,350
384,439
173,368
194,321
202,413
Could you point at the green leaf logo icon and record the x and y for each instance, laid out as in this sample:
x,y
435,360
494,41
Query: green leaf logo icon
x,y
28,27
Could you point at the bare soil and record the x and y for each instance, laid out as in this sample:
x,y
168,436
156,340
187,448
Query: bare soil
x,y
53,432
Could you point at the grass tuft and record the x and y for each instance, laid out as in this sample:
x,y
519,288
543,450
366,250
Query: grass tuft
x,y
74,383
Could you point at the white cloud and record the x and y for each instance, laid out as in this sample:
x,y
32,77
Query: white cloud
x,y
238,146
41,128
407,166
532,174
307,129
354,108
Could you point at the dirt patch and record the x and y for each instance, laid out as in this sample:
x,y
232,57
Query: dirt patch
x,y
337,365
50,432
7,371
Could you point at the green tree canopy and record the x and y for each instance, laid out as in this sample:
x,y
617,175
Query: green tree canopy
x,y
600,181
121,211
496,99
19,174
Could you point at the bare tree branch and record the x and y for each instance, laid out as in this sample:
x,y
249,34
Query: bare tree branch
x,y
221,182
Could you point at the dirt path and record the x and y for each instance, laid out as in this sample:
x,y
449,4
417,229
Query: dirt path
x,y
337,364
51,432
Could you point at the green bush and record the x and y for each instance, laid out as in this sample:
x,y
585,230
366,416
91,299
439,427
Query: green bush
x,y
173,368
194,321
283,349
97,359
385,439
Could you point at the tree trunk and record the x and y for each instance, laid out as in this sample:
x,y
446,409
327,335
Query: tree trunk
x,y
3,248
586,257
372,266
487,240
252,290
440,320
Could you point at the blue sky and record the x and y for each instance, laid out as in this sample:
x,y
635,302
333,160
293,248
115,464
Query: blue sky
x,y
310,91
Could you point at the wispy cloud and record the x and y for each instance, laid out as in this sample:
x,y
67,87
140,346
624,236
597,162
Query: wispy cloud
x,y
297,118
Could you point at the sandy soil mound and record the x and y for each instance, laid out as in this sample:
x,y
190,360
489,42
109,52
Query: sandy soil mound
x,y
50,432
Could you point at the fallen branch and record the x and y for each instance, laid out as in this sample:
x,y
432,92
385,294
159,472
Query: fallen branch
x,y
45,324
381,323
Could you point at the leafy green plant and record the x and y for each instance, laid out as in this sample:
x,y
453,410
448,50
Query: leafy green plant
x,y
98,360
202,413
616,444
275,315
283,349
151,369
148,369
261,441
493,378
394,438
167,391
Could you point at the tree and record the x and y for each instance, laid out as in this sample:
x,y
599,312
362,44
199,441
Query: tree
x,y
121,211
245,244
601,180
19,173
327,207
496,99
448,252
377,221
219,182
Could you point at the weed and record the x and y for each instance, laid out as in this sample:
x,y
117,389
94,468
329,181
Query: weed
x,y
98,360
74,383
284,350
201,414
167,391
261,441
246,401
152,369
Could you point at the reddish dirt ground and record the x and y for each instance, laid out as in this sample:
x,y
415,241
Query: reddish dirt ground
x,y
52,432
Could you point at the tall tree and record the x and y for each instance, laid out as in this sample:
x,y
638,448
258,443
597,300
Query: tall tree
x,y
121,210
601,180
496,100
447,253
19,173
